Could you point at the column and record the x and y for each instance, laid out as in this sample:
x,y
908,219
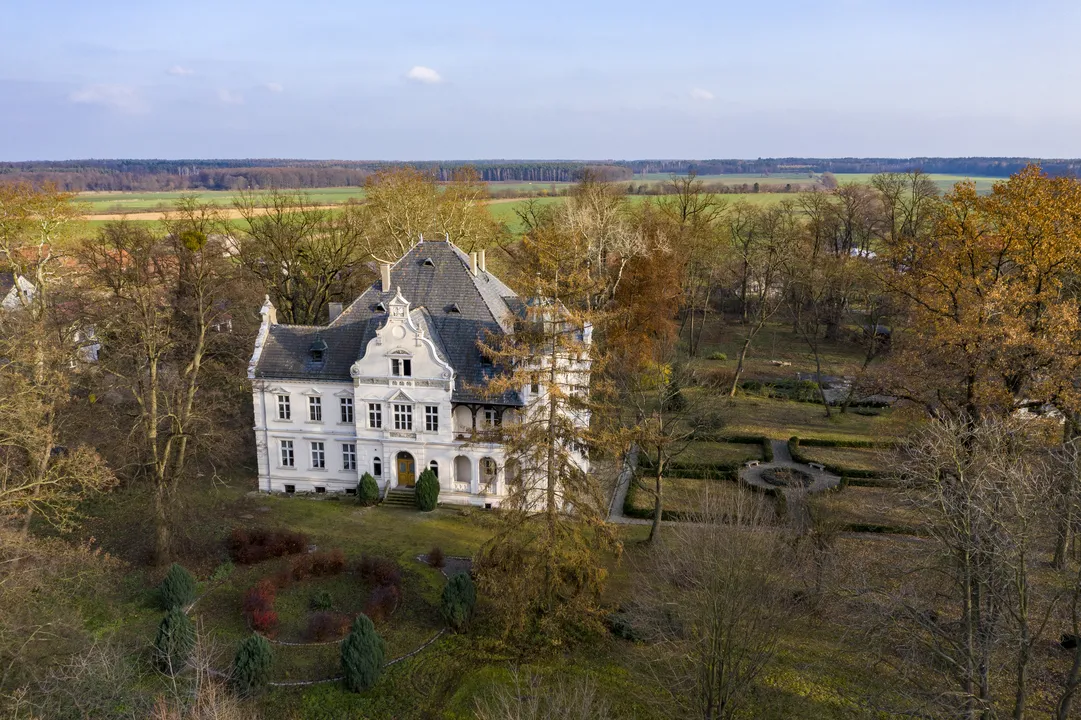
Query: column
x,y
474,475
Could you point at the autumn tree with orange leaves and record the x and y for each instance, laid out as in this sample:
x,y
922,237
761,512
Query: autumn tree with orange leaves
x,y
990,299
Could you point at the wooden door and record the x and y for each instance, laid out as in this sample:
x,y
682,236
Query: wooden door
x,y
406,472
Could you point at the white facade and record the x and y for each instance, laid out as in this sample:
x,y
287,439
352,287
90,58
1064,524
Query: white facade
x,y
394,419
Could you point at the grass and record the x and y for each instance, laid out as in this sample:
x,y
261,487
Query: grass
x,y
720,452
781,419
853,458
777,343
684,495
862,506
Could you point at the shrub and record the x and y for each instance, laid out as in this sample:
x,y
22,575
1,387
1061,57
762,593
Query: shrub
x,y
459,599
367,490
317,564
175,641
254,546
326,626
427,492
251,665
382,602
264,621
363,653
260,596
379,570
177,589
436,558
718,356
320,601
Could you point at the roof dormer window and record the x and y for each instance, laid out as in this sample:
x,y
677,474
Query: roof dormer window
x,y
381,307
453,308
428,262
317,351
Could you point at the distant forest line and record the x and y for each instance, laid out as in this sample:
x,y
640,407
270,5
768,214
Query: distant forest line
x,y
164,175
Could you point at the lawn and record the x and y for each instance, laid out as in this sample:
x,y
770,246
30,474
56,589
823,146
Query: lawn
x,y
720,453
685,495
781,419
879,459
862,506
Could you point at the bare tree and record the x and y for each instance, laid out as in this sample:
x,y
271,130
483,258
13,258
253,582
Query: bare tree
x,y
531,697
712,605
980,489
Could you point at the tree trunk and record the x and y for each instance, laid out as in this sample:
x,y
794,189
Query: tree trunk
x,y
162,535
658,506
739,366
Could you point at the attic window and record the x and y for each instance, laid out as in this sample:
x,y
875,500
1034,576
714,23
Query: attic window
x,y
318,350
453,308
428,262
381,307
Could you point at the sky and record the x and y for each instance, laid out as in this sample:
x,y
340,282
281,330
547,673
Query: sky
x,y
581,79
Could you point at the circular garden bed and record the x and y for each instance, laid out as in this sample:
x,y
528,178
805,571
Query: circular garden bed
x,y
787,477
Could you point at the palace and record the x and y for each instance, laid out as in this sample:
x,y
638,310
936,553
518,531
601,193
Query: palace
x,y
391,385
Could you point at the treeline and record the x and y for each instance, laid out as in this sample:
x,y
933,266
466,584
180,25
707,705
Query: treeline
x,y
166,175
988,166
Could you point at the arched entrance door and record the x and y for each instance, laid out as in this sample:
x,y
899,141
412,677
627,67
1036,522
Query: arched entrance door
x,y
407,470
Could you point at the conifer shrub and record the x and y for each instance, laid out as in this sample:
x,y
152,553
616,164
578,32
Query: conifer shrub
x,y
459,599
177,589
251,665
320,601
363,654
174,642
367,490
427,492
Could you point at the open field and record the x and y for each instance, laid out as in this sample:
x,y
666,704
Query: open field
x,y
876,459
855,507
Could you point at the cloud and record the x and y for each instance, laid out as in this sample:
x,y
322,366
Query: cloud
x,y
422,74
229,97
122,98
180,70
700,94
274,87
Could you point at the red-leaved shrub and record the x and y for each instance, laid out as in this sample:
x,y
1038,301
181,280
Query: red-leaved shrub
x,y
318,564
382,602
380,571
260,596
264,621
253,546
326,625
435,557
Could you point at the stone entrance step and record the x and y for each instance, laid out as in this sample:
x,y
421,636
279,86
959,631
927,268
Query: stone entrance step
x,y
401,497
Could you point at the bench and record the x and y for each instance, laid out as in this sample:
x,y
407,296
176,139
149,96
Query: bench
x,y
817,466
751,463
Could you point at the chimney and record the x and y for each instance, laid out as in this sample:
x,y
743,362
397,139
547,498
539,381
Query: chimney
x,y
480,257
335,309
384,271
473,262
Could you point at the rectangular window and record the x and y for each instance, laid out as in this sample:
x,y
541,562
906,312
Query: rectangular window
x,y
347,410
489,417
375,415
534,388
284,411
287,453
401,368
403,417
319,455
431,418
315,409
377,467
349,456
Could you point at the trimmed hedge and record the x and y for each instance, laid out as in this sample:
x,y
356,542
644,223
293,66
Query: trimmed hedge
x,y
826,442
844,472
694,471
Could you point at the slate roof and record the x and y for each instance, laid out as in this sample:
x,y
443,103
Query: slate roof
x,y
455,307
